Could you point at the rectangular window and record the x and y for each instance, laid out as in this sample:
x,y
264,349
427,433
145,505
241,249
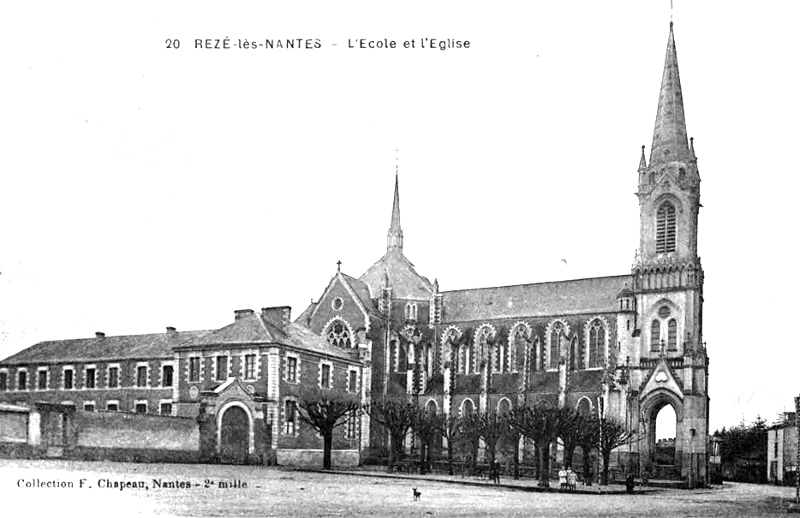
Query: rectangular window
x,y
350,431
325,382
194,369
166,376
165,409
89,379
22,380
88,407
69,381
222,368
112,406
250,366
113,377
42,382
291,410
141,376
291,369
3,381
353,382
141,407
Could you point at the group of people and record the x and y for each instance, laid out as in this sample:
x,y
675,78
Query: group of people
x,y
567,479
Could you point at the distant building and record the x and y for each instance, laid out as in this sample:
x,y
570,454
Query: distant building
x,y
782,450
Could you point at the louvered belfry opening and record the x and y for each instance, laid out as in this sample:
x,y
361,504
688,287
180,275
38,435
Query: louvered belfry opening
x,y
665,228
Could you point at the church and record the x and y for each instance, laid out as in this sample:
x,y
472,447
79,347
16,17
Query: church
x,y
623,347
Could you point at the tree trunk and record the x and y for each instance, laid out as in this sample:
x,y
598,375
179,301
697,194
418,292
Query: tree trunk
x,y
544,464
587,465
423,448
606,460
568,454
450,457
327,440
516,458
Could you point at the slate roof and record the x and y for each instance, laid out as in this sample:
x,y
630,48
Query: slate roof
x,y
594,295
362,291
106,348
256,330
405,281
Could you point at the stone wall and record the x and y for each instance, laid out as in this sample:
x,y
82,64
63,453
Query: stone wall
x,y
313,458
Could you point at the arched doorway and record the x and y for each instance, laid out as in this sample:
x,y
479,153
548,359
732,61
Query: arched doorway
x,y
234,435
663,441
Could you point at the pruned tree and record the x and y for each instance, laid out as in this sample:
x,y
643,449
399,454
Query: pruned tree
x,y
471,433
570,426
324,410
586,438
611,434
397,416
540,424
452,432
427,425
491,427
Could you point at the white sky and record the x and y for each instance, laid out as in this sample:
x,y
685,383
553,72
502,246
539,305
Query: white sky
x,y
144,187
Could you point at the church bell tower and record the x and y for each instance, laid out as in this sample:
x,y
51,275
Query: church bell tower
x,y
668,286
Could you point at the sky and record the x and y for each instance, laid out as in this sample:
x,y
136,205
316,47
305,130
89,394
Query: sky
x,y
145,186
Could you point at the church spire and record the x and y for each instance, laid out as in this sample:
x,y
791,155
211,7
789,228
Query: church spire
x,y
669,135
394,239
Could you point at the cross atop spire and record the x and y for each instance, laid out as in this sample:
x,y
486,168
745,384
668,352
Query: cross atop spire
x,y
394,239
669,135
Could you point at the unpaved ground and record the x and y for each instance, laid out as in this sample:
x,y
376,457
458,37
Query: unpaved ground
x,y
276,492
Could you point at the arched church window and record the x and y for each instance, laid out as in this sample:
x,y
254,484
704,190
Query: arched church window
x,y
665,228
556,335
338,334
672,335
467,408
597,344
655,335
411,311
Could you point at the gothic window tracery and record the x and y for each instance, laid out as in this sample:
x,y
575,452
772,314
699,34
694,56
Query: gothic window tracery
x,y
557,334
597,343
665,228
338,334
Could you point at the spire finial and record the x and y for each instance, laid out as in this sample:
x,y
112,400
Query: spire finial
x,y
339,266
670,13
642,161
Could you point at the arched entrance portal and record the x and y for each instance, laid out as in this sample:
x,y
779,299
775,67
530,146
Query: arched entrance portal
x,y
663,437
234,435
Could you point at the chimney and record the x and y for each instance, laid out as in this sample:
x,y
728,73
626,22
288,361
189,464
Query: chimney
x,y
278,315
242,313
99,334
171,330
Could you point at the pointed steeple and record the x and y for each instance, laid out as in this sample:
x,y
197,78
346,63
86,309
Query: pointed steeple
x,y
394,239
669,135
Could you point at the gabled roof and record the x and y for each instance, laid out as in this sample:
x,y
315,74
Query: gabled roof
x,y
104,348
594,295
406,283
357,289
256,330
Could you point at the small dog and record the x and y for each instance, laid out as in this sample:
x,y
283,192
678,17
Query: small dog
x,y
417,494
